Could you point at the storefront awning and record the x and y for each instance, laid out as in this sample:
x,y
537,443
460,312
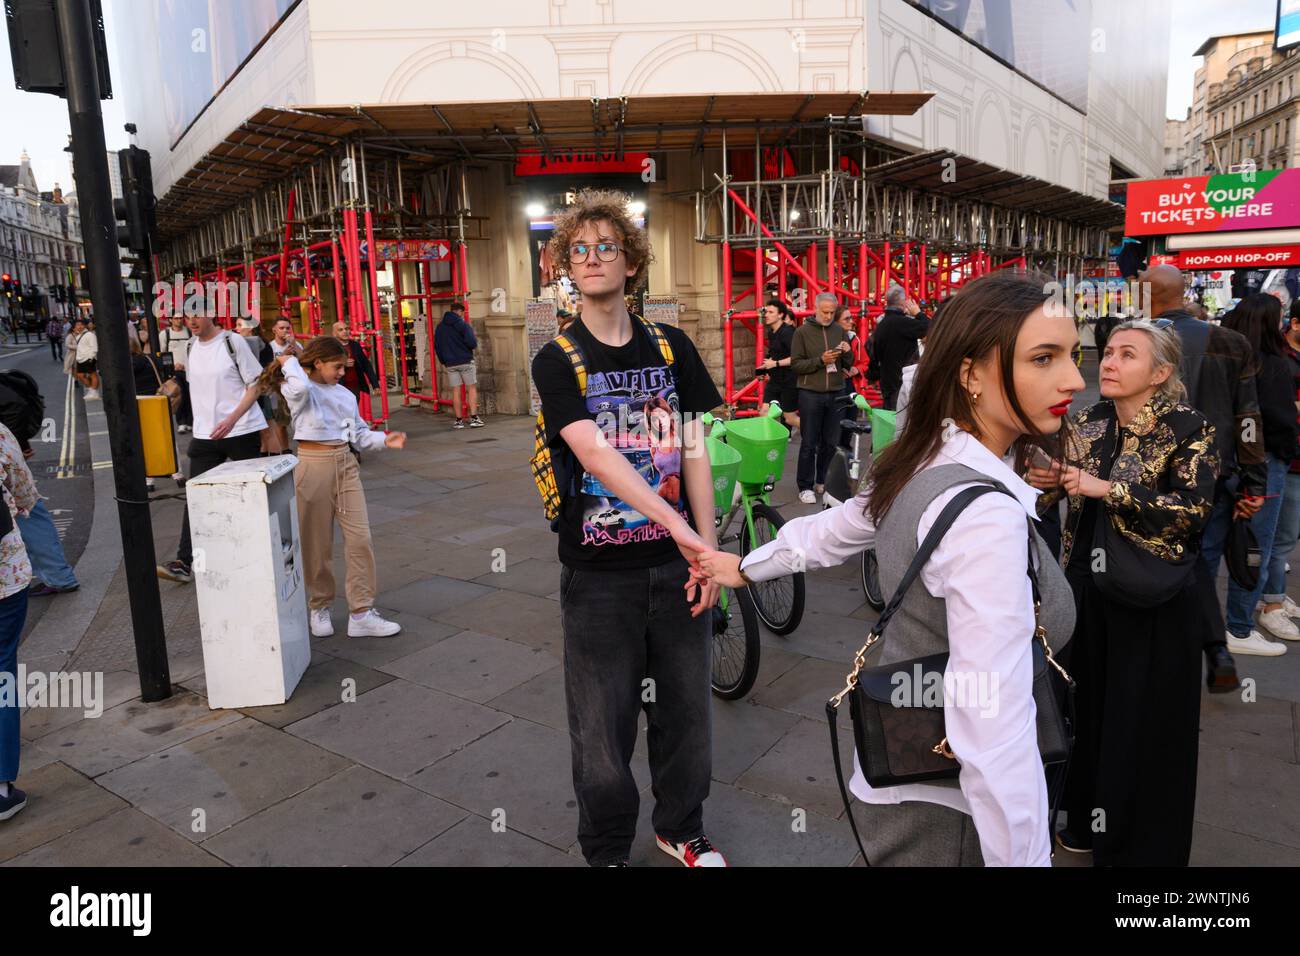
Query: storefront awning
x,y
948,173
274,142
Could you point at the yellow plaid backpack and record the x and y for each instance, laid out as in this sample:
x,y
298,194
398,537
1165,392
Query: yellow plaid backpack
x,y
554,470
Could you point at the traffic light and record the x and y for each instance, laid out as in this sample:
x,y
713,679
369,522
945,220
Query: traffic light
x,y
8,281
136,207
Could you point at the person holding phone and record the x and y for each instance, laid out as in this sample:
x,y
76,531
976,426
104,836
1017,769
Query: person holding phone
x,y
894,342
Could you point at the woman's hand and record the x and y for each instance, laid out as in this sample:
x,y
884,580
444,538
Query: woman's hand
x,y
1078,482
1044,479
722,567
223,428
395,440
1246,507
768,364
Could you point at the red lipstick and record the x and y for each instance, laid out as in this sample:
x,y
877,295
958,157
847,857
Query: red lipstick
x,y
1062,409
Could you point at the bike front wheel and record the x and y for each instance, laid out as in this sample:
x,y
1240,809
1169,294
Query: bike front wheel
x,y
779,602
735,644
871,580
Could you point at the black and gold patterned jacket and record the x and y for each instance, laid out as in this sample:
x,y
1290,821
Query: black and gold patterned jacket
x,y
1162,483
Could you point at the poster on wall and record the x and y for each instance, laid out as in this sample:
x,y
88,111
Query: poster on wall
x,y
202,44
662,308
1046,41
541,325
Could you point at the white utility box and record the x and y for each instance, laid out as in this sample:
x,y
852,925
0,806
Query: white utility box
x,y
248,573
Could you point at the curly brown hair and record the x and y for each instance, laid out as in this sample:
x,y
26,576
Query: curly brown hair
x,y
594,205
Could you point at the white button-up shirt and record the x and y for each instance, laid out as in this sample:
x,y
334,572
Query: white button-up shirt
x,y
978,569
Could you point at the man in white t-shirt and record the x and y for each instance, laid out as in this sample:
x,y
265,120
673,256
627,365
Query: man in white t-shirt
x,y
220,367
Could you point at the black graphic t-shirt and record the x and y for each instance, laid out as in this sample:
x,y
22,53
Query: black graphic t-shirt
x,y
637,401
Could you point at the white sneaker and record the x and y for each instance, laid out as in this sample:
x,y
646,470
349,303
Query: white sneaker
x,y
370,624
321,625
182,428
1256,644
1289,607
91,394
808,497
1279,624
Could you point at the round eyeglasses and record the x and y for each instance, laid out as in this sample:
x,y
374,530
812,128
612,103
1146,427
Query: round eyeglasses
x,y
605,252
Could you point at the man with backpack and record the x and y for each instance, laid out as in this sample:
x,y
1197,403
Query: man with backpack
x,y
22,411
623,480
454,343
220,367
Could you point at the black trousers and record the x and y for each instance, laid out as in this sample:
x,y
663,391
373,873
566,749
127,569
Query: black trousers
x,y
819,424
205,454
1131,788
630,643
56,348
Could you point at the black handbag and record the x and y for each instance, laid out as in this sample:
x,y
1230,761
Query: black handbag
x,y
900,738
1127,574
1242,554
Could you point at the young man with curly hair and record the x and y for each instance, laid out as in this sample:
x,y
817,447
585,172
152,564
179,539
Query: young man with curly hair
x,y
637,615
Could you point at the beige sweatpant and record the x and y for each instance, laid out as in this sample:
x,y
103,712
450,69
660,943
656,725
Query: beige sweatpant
x,y
328,486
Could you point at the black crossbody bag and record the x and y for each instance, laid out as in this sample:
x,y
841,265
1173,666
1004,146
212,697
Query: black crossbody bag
x,y
907,743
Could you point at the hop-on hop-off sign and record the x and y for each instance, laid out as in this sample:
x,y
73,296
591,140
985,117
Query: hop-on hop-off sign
x,y
1264,199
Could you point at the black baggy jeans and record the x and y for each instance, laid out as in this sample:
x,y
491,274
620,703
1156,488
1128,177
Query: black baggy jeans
x,y
630,643
205,454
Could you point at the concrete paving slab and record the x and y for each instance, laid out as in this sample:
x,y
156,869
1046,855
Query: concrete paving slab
x,y
473,842
1264,726
742,733
514,616
1248,793
125,838
540,700
356,818
475,666
399,728
59,801
523,769
805,688
417,633
210,783
133,730
798,769
530,575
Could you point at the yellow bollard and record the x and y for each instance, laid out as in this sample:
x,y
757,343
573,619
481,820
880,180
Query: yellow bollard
x,y
157,436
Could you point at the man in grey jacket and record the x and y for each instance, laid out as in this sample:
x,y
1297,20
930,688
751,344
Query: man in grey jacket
x,y
819,355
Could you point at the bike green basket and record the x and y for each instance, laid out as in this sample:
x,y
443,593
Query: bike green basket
x,y
726,464
761,443
883,425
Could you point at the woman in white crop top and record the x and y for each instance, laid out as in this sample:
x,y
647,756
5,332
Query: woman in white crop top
x,y
327,481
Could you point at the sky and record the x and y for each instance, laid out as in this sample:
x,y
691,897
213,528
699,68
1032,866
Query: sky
x,y
1194,22
38,122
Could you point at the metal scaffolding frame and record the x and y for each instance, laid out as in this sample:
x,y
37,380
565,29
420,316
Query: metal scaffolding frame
x,y
851,217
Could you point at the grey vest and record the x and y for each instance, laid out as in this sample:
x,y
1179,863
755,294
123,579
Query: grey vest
x,y
920,626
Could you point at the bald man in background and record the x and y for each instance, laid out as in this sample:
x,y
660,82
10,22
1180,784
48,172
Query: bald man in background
x,y
1218,369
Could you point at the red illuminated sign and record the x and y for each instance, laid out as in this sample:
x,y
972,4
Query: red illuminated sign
x,y
1276,257
565,163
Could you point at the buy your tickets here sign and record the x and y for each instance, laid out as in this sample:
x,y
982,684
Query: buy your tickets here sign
x,y
1264,199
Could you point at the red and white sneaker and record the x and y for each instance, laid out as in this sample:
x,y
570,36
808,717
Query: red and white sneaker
x,y
697,852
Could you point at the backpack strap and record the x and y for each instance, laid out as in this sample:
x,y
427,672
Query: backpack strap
x,y
659,338
230,349
574,354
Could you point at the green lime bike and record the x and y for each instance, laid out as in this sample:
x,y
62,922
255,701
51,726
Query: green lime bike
x,y
747,457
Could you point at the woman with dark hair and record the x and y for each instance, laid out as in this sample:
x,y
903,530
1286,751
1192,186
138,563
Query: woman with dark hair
x,y
780,386
1140,479
996,378
1259,318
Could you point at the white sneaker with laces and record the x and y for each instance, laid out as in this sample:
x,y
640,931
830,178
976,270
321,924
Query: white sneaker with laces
x,y
1255,644
808,496
321,625
91,394
1279,624
1289,607
370,624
